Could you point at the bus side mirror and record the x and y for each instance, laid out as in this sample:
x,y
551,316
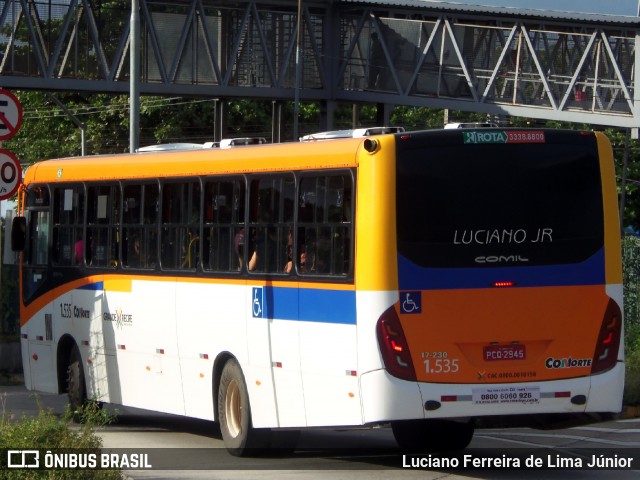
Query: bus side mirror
x,y
18,233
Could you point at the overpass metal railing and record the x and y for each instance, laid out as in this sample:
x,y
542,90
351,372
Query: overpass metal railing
x,y
572,71
411,54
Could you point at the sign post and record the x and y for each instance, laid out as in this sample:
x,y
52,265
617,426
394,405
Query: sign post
x,y
10,168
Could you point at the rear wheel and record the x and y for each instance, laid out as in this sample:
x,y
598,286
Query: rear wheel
x,y
234,414
432,435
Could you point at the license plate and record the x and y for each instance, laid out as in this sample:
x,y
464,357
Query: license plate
x,y
515,351
497,395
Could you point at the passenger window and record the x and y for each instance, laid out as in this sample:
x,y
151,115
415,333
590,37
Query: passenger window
x,y
223,243
140,226
69,247
325,228
103,219
272,201
180,234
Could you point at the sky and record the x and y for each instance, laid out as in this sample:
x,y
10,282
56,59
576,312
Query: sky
x,y
612,7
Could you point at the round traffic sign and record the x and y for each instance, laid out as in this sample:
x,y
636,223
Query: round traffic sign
x,y
10,114
10,174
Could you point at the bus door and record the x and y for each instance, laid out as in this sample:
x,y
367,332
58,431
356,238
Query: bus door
x,y
37,327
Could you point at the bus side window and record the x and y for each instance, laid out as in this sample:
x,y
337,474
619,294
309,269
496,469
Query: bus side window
x,y
103,217
139,226
272,200
180,234
223,219
68,220
325,229
150,218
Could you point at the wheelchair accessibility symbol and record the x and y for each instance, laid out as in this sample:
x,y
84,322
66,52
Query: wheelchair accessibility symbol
x,y
411,302
257,302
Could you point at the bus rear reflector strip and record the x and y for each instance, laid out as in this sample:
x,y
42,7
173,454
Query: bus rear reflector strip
x,y
204,356
122,347
352,373
559,394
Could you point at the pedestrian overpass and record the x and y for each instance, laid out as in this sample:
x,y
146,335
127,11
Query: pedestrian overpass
x,y
499,61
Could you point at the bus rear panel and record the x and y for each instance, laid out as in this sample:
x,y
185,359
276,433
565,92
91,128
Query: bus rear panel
x,y
509,276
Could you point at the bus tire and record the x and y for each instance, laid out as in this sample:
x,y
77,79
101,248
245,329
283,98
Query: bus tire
x,y
76,388
432,435
234,414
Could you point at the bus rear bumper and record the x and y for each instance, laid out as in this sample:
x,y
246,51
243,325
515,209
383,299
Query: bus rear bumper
x,y
386,398
607,390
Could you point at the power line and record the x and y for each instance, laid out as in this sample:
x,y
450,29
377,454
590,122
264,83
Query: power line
x,y
86,111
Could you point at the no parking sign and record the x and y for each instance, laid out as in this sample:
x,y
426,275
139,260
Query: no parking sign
x,y
10,174
10,114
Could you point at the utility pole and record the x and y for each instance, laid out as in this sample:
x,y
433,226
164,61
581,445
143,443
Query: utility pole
x,y
296,100
134,77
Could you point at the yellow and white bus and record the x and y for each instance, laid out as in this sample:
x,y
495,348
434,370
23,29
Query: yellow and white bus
x,y
417,279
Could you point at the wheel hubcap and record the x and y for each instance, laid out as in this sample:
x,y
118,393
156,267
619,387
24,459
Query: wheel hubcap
x,y
233,408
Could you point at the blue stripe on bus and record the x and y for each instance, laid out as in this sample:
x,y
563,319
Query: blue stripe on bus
x,y
310,305
92,286
304,304
589,272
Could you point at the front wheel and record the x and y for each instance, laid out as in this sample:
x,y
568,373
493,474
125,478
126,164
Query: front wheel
x,y
432,435
76,389
234,414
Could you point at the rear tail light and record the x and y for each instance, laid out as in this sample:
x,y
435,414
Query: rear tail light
x,y
394,346
606,352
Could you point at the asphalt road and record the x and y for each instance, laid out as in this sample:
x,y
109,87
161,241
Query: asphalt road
x,y
177,447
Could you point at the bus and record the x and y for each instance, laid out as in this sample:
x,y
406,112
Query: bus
x,y
419,280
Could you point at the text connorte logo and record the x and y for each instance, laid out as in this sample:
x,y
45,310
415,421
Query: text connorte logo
x,y
567,362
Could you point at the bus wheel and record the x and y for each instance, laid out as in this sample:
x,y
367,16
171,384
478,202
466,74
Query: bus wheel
x,y
234,414
75,381
432,435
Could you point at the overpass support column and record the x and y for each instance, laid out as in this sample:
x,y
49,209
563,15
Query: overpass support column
x,y
220,120
636,91
276,121
327,113
383,114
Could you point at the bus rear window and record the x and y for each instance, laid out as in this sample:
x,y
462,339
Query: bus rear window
x,y
498,204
